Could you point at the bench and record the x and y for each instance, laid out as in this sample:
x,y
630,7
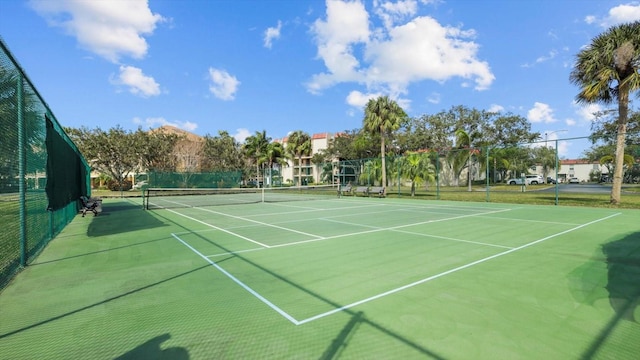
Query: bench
x,y
376,190
344,190
90,204
363,190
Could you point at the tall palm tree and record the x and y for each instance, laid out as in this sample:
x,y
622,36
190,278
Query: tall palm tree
x,y
274,156
299,145
608,70
255,147
383,116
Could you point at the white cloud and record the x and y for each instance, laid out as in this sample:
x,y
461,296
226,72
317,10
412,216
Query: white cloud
x,y
392,12
434,98
570,122
223,85
154,122
111,29
272,33
392,58
586,112
138,83
241,135
359,100
347,24
496,108
540,113
624,13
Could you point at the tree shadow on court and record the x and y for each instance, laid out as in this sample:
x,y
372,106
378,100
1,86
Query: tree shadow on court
x,y
623,271
102,302
37,262
121,217
151,350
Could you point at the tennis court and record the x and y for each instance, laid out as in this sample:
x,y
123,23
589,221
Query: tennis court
x,y
330,277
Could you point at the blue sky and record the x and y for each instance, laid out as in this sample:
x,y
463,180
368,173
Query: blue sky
x,y
283,65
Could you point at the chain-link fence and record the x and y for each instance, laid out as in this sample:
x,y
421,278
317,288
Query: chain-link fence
x,y
42,173
544,172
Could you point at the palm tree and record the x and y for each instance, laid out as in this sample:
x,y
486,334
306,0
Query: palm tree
x,y
417,167
460,157
546,156
299,145
255,147
382,116
275,155
608,70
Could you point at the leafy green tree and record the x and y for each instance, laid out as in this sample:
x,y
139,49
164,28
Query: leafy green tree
x,y
114,152
351,145
255,148
155,150
607,71
222,153
299,145
426,132
383,116
509,130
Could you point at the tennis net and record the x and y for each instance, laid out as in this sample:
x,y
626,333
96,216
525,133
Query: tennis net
x,y
163,198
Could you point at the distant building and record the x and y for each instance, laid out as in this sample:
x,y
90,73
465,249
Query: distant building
x,y
575,168
310,172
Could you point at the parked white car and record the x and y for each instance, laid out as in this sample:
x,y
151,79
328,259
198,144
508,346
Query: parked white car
x,y
528,180
574,181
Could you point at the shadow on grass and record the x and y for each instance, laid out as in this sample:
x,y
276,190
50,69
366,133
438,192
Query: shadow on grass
x,y
151,350
623,271
121,216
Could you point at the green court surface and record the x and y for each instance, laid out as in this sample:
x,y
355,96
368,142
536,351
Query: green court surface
x,y
335,278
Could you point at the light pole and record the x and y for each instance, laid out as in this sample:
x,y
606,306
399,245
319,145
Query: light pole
x,y
546,135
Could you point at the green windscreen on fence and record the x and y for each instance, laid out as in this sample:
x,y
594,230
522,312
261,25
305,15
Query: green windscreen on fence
x,y
66,172
215,179
42,173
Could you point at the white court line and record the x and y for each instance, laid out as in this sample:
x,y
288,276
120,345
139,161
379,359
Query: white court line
x,y
243,285
529,220
259,222
219,228
234,252
381,229
422,234
311,209
319,316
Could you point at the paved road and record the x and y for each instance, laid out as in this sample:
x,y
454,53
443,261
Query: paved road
x,y
579,188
